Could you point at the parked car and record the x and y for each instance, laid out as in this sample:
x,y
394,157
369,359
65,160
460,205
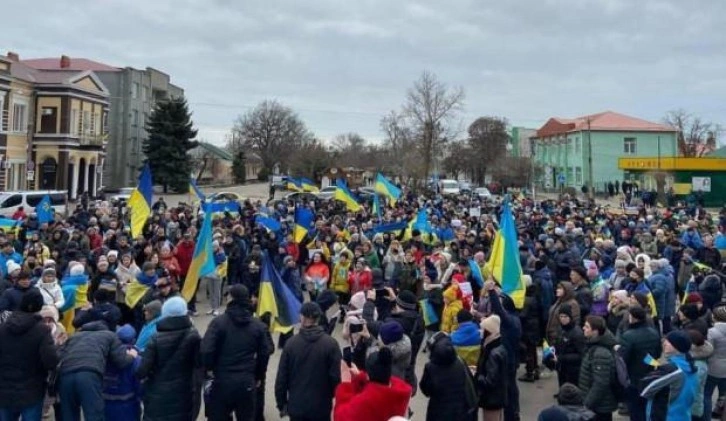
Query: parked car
x,y
465,186
482,193
449,187
12,200
326,193
224,197
124,193
298,197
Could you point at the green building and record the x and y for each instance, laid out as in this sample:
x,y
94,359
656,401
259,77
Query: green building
x,y
584,151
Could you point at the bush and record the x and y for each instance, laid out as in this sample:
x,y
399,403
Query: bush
x,y
263,174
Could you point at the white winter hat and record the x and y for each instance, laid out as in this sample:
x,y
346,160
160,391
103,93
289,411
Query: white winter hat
x,y
12,266
77,269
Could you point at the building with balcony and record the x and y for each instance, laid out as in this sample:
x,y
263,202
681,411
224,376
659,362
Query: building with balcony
x,y
53,127
584,151
132,95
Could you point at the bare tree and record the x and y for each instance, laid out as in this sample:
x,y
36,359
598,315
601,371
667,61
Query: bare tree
x,y
273,131
430,109
457,159
696,137
399,144
487,140
311,160
351,150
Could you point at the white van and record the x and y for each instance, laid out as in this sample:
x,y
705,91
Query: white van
x,y
10,201
449,187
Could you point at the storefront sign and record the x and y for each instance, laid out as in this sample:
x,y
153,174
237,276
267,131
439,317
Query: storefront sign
x,y
701,184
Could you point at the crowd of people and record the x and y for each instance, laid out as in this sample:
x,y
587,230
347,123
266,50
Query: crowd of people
x,y
626,308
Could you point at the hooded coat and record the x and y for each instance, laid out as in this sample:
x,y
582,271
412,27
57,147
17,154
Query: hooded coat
x,y
671,390
596,374
364,400
553,322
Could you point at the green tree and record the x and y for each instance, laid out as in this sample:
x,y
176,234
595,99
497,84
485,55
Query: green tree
x,y
239,169
170,133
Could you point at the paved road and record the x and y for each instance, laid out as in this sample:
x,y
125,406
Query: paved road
x,y
252,191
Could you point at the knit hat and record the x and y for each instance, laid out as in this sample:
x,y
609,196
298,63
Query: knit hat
x,y
620,264
621,295
174,307
326,299
311,310
569,395
690,311
48,271
638,313
32,301
719,313
406,300
126,334
463,316
491,324
49,312
239,293
379,365
390,332
693,298
580,271
680,341
49,263
154,308
358,300
566,310
77,270
12,266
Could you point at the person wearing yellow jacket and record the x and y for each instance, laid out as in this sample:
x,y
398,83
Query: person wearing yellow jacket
x,y
339,277
452,306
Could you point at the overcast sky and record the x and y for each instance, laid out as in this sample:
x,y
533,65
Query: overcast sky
x,y
343,64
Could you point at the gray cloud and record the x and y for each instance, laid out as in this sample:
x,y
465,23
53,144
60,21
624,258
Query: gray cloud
x,y
343,65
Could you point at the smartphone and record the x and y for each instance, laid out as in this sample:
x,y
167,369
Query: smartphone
x,y
380,293
355,328
348,356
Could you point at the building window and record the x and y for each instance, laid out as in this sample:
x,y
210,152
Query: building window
x,y
92,129
105,122
569,146
144,93
3,113
578,146
134,90
630,145
48,119
578,176
74,122
135,118
86,124
20,117
569,176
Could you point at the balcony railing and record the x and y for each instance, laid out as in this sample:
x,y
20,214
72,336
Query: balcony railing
x,y
92,140
4,120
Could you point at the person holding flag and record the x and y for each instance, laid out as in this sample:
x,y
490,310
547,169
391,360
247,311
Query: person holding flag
x,y
140,202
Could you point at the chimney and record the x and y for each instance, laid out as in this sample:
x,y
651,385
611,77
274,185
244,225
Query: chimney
x,y
13,56
65,62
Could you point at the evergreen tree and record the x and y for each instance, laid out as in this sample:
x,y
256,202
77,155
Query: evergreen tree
x,y
239,168
170,133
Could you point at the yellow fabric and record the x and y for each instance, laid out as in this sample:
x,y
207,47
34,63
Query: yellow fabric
x,y
339,278
470,354
134,292
140,212
448,317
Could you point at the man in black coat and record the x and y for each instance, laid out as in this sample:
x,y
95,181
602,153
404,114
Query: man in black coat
x,y
27,353
11,297
84,359
236,349
309,371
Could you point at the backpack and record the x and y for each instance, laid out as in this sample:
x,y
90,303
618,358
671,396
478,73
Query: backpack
x,y
620,379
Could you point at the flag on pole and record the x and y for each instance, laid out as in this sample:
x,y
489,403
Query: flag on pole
x,y
303,222
140,202
504,264
308,185
202,259
344,195
476,273
270,224
44,210
194,189
277,299
294,184
377,206
385,187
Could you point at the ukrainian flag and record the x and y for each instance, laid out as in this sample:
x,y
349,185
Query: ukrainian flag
x,y
429,314
7,224
504,264
277,299
649,360
194,190
202,259
270,224
344,195
376,206
140,202
308,185
476,272
547,350
303,222
387,188
294,184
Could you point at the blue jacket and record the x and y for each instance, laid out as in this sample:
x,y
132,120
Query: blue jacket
x,y
662,288
4,258
120,384
467,334
147,332
692,239
543,279
671,390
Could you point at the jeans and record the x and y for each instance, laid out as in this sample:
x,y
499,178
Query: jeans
x,y
636,405
29,413
711,384
81,390
214,288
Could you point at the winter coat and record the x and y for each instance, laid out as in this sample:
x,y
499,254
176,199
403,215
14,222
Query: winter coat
x,y
636,342
27,353
584,298
545,291
10,299
597,373
339,278
566,413
448,317
169,364
308,374
364,400
444,383
121,384
184,253
711,290
52,293
564,260
360,281
616,314
663,290
401,353
467,342
717,361
569,349
700,356
147,332
671,390
492,375
413,327
600,297
106,312
235,346
553,321
511,331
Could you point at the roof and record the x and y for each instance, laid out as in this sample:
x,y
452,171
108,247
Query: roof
x,y
20,70
76,64
216,151
604,121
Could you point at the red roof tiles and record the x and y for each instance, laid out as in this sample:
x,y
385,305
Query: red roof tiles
x,y
76,64
605,121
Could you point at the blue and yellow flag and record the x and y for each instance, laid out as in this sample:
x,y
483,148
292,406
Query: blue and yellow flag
x,y
277,299
270,224
44,210
308,185
649,360
344,195
194,190
303,222
377,206
547,350
7,224
387,188
390,227
476,273
294,184
225,206
504,264
202,259
140,202
427,311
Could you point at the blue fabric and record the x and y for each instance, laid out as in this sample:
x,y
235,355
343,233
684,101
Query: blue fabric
x,y
219,257
467,334
149,281
4,258
30,412
122,390
147,332
720,242
679,408
69,285
692,239
81,389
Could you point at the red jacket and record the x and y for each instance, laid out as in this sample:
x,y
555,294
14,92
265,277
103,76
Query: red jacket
x,y
363,400
360,281
293,250
184,253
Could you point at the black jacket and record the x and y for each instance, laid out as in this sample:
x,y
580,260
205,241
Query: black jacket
x,y
444,383
491,375
11,297
168,364
91,347
583,295
531,316
636,342
235,346
27,353
308,373
569,348
597,373
106,312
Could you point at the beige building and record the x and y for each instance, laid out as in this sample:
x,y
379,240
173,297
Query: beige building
x,y
54,125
